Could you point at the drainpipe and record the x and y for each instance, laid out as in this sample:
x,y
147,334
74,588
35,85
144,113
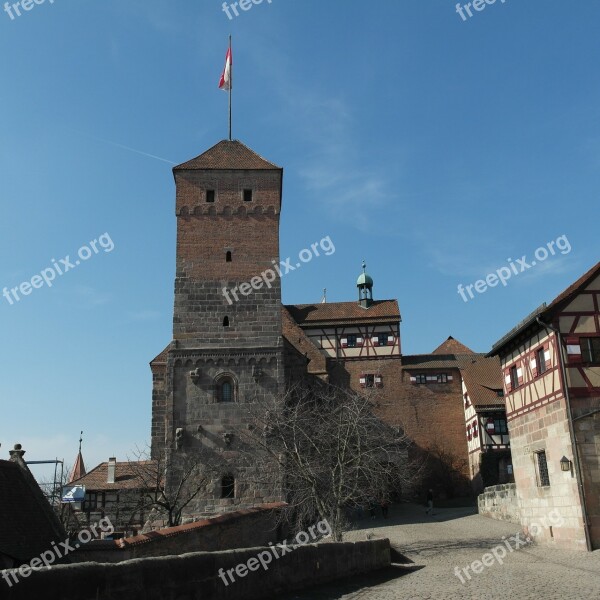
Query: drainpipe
x,y
574,448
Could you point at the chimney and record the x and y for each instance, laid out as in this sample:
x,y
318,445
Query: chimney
x,y
16,455
112,467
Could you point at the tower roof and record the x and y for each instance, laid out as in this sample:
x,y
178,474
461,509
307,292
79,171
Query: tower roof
x,y
364,278
227,155
78,470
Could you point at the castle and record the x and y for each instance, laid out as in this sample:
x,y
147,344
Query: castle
x,y
227,353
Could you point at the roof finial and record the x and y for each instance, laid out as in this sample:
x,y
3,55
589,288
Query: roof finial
x,y
364,266
324,299
80,440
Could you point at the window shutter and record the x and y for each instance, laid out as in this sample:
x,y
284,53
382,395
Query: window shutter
x,y
363,381
359,342
573,349
390,341
547,357
475,432
378,381
344,342
507,382
520,374
469,437
375,340
533,366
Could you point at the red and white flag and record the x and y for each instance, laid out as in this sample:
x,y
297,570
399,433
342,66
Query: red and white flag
x,y
225,83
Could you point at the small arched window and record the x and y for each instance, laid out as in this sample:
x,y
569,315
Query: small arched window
x,y
225,321
226,391
228,256
228,486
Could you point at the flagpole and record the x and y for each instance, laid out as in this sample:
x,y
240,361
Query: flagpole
x,y
230,85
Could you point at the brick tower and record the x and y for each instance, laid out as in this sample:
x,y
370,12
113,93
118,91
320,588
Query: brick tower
x,y
227,347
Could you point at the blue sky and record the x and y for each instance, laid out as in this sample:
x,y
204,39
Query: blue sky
x,y
434,148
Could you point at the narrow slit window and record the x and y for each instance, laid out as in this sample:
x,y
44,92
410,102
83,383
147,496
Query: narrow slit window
x,y
210,195
228,256
228,486
247,195
225,321
542,464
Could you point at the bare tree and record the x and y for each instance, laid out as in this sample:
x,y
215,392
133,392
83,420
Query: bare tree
x,y
333,453
170,484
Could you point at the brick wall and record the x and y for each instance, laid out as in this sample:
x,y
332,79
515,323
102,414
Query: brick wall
x,y
248,350
431,415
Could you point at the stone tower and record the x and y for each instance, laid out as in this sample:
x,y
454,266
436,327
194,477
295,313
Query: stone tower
x,y
227,347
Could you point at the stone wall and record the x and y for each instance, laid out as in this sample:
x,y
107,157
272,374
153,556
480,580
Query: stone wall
x,y
241,529
196,576
546,428
587,432
500,502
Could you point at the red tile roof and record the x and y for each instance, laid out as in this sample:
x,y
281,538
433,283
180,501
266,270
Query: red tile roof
x,y
228,155
414,362
452,346
342,312
483,380
127,476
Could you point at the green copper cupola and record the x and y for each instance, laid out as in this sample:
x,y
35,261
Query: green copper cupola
x,y
364,283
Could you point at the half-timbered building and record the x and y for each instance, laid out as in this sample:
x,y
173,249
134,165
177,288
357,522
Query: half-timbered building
x,y
485,420
551,367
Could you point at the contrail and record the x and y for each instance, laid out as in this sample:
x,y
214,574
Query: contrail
x,y
93,137
133,150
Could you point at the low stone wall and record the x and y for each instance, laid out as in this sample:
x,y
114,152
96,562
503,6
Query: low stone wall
x,y
196,576
241,529
500,502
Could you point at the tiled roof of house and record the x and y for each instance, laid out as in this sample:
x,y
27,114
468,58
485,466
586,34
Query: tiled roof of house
x,y
483,380
436,361
128,476
452,346
341,312
228,154
299,340
28,524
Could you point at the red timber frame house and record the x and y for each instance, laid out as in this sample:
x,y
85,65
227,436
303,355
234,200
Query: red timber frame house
x,y
551,370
